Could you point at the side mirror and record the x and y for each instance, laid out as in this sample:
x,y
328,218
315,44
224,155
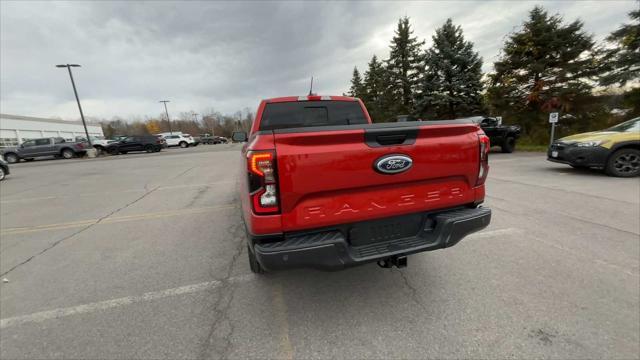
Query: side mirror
x,y
22,145
239,136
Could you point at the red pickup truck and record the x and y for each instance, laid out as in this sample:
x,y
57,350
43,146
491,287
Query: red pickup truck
x,y
323,187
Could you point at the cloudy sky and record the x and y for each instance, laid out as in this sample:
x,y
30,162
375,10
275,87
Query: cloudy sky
x,y
226,55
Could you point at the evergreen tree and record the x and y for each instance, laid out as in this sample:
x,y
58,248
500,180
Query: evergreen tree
x,y
545,66
623,62
357,88
452,82
403,67
374,87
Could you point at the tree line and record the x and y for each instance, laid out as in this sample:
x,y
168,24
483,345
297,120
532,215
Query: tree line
x,y
209,122
546,65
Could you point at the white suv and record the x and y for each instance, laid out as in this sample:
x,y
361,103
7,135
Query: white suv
x,y
182,140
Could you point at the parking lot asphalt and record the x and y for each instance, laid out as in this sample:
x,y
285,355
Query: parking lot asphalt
x,y
143,256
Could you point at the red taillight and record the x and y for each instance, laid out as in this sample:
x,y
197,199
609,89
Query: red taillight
x,y
262,182
483,170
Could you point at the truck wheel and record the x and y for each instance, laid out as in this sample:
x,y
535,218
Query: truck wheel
x,y
11,158
624,163
508,145
148,148
67,153
183,144
255,266
1,173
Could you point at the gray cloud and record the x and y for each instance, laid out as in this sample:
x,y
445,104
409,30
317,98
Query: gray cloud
x,y
226,55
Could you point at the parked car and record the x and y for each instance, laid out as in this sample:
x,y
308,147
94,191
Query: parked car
x,y
504,136
616,149
148,143
4,169
98,142
178,139
357,192
55,146
214,140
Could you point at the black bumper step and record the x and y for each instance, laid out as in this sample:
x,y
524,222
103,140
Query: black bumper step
x,y
331,250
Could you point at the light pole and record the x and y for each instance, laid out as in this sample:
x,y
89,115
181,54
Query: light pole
x,y
69,66
167,112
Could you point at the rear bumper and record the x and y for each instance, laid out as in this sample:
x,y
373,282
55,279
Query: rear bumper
x,y
332,250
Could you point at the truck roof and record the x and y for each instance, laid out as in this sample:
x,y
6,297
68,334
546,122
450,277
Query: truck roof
x,y
309,98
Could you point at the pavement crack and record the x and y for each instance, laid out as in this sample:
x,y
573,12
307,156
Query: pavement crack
x,y
56,243
182,173
414,292
222,328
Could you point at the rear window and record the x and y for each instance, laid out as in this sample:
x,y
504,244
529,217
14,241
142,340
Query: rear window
x,y
311,113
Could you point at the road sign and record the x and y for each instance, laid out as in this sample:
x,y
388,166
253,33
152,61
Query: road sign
x,y
553,118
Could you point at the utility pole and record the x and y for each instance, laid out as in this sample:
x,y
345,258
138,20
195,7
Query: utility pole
x,y
84,123
167,112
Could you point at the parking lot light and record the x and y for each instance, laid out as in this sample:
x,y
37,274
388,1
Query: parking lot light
x,y
167,112
84,123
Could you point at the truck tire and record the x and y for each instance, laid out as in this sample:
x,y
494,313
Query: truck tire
x,y
148,148
67,153
508,145
183,144
1,173
11,158
255,266
624,163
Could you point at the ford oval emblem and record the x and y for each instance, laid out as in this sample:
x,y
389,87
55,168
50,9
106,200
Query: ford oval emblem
x,y
393,164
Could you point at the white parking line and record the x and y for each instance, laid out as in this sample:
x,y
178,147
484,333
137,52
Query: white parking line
x,y
114,303
155,295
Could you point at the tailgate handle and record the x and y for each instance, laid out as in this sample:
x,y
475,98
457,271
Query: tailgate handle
x,y
383,135
391,139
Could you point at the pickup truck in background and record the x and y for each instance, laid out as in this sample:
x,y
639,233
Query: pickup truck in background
x,y
55,146
322,187
504,136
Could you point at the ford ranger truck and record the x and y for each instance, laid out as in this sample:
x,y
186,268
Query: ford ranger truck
x,y
323,187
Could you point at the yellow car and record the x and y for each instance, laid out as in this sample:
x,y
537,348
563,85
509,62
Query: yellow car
x,y
616,149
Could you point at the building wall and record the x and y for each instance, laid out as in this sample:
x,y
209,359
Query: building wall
x,y
14,129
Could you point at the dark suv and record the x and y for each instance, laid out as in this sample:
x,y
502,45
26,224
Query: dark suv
x,y
148,143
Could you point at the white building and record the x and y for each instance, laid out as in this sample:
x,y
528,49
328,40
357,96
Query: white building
x,y
14,129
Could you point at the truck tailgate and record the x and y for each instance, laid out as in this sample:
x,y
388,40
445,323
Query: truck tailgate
x,y
328,177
